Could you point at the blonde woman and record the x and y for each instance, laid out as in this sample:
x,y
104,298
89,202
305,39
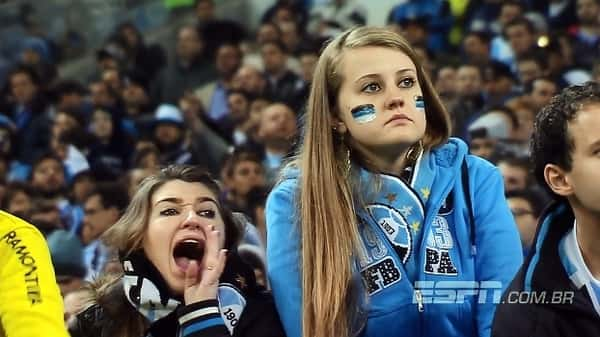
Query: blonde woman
x,y
381,216
179,279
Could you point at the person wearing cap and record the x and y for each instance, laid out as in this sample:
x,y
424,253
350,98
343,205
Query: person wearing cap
x,y
497,125
203,147
30,301
66,252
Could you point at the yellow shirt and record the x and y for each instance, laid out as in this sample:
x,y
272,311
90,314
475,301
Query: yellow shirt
x,y
30,300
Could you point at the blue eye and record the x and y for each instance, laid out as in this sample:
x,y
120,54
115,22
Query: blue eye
x,y
371,87
169,212
408,82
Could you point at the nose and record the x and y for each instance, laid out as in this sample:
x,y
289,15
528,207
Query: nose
x,y
191,220
394,102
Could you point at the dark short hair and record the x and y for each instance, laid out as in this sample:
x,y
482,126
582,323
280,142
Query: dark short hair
x,y
241,154
111,195
535,200
277,43
519,21
551,142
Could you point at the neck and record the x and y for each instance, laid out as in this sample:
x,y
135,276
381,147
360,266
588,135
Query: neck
x,y
279,147
588,235
392,162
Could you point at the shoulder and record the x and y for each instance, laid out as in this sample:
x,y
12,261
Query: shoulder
x,y
13,228
286,187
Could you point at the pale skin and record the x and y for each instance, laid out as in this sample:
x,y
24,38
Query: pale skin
x,y
186,210
386,78
580,185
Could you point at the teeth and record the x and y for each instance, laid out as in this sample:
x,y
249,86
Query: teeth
x,y
191,241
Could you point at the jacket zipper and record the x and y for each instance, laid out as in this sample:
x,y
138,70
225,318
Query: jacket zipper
x,y
419,298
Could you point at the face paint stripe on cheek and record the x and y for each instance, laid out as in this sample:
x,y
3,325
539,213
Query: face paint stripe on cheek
x,y
363,113
419,102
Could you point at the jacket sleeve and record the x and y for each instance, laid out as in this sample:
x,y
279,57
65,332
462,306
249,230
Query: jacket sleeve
x,y
499,254
283,256
30,300
201,319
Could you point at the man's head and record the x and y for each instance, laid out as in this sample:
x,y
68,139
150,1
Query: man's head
x,y
69,95
530,67
48,175
515,171
445,80
565,148
205,10
250,79
526,208
238,104
468,80
228,60
66,251
498,79
102,208
24,84
168,125
277,124
476,46
189,44
521,35
588,11
274,56
541,92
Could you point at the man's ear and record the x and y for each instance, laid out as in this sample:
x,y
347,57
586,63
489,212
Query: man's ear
x,y
558,180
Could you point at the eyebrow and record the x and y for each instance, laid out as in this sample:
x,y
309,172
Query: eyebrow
x,y
377,75
177,200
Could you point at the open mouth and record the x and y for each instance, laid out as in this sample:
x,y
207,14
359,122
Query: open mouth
x,y
188,250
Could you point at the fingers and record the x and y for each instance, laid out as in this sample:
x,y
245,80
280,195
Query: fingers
x,y
211,250
191,274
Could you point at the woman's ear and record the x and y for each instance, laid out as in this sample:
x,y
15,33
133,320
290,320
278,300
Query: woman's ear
x,y
338,125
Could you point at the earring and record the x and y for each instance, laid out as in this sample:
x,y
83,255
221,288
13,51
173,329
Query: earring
x,y
346,163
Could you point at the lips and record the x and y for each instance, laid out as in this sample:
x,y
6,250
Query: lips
x,y
188,249
398,118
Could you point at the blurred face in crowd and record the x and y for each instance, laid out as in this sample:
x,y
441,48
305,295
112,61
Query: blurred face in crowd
x,y
22,87
205,10
246,175
135,97
48,175
5,142
289,35
179,211
542,92
468,81
515,177
97,217
130,35
278,123
414,32
446,81
70,100
267,32
102,125
522,211
167,134
101,95
63,122
528,70
274,59
526,117
82,188
475,48
509,12
521,40
112,79
283,15
189,44
588,12
483,147
228,60
238,106
136,176
20,204
250,79
308,63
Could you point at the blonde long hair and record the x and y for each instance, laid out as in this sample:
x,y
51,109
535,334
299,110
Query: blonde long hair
x,y
326,204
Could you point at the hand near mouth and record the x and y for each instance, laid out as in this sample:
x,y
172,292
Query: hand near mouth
x,y
202,282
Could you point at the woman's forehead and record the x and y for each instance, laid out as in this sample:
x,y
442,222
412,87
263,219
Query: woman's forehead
x,y
185,192
357,62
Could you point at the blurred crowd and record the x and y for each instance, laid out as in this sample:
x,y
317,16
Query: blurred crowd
x,y
231,100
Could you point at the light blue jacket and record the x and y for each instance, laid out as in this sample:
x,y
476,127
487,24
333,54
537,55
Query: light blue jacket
x,y
407,298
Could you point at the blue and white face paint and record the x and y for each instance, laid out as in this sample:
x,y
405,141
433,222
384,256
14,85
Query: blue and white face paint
x,y
363,113
420,103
